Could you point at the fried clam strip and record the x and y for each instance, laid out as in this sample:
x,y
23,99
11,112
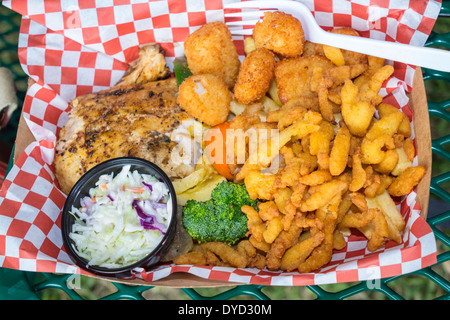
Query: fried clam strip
x,y
260,186
297,254
339,151
406,181
220,254
380,135
378,219
288,200
310,220
255,224
197,257
296,166
319,141
264,224
322,253
372,223
269,149
285,240
356,113
322,81
323,194
358,172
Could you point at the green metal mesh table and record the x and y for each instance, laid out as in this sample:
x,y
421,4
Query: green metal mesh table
x,y
431,283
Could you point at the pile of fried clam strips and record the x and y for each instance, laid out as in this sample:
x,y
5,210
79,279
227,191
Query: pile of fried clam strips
x,y
342,156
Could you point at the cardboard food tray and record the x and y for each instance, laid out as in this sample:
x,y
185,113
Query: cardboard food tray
x,y
30,239
418,104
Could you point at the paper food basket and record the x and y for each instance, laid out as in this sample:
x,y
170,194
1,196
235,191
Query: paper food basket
x,y
69,49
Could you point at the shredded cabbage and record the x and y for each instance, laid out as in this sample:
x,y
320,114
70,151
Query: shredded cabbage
x,y
122,220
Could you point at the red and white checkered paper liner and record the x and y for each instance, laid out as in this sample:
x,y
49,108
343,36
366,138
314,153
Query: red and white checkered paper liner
x,y
74,47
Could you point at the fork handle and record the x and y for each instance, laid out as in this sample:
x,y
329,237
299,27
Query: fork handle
x,y
431,58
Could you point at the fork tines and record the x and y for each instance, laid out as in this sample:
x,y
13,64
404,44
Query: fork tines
x,y
249,19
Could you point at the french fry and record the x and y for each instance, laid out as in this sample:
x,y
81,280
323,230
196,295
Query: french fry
x,y
269,104
389,209
387,205
201,191
273,93
237,108
190,181
403,162
334,54
249,45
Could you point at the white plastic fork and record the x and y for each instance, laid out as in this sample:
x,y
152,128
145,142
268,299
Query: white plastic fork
x,y
431,58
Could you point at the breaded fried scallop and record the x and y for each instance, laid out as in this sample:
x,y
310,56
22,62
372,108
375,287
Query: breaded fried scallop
x,y
293,76
281,33
205,97
255,76
210,50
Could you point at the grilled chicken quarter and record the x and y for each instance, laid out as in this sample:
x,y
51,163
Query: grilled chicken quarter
x,y
133,118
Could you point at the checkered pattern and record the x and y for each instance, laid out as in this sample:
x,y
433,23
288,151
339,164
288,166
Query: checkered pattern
x,y
115,27
70,50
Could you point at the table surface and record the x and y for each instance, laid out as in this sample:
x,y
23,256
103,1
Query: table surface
x,y
431,283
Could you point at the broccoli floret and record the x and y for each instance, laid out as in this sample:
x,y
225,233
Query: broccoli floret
x,y
221,218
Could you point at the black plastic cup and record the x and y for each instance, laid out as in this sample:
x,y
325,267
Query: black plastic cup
x,y
81,189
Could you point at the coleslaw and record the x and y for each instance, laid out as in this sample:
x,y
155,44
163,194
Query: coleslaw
x,y
122,220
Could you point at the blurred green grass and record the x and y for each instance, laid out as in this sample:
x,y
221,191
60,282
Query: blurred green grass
x,y
438,91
